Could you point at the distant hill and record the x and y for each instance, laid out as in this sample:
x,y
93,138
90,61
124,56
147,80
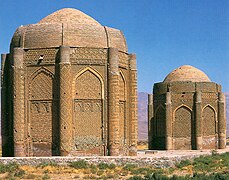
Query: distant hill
x,y
142,115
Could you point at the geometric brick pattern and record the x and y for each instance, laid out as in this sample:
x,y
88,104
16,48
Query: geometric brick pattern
x,y
41,119
88,86
182,123
88,105
65,108
209,121
88,53
48,56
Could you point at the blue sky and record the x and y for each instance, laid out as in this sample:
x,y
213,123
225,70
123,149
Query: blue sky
x,y
164,34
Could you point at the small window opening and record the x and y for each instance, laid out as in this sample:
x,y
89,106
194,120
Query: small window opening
x,y
40,59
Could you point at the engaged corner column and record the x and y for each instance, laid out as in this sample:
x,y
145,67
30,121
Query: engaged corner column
x,y
133,106
18,103
221,121
113,102
168,124
198,103
65,101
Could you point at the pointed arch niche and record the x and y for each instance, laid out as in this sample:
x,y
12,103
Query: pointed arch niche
x,y
42,119
159,127
122,109
88,93
209,127
183,130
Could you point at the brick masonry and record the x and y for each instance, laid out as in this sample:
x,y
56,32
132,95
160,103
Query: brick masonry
x,y
187,111
70,88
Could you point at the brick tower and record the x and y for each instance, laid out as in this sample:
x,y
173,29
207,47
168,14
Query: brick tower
x,y
69,87
187,111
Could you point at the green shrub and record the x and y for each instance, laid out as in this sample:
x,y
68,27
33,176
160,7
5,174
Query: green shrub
x,y
81,164
156,176
11,167
44,164
143,171
19,173
130,167
103,165
183,163
135,178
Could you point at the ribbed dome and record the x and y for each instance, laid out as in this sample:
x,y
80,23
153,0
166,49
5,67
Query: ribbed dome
x,y
187,73
67,15
69,27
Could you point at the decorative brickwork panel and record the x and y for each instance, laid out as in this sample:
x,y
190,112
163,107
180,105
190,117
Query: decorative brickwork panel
x,y
41,86
88,53
40,56
209,97
182,123
183,87
65,108
88,86
41,124
160,122
208,87
209,123
41,113
182,97
88,124
88,114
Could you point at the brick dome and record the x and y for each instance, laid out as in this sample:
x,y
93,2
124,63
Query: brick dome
x,y
187,73
69,15
68,27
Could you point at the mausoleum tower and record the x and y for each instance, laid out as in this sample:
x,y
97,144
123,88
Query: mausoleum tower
x,y
187,111
69,87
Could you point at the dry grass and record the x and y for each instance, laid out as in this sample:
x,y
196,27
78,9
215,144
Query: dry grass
x,y
82,170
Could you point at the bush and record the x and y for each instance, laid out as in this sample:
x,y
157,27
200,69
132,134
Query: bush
x,y
135,178
103,165
156,176
19,173
183,163
79,164
11,167
130,167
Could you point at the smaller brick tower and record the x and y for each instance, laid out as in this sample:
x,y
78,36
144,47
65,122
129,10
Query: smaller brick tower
x,y
186,111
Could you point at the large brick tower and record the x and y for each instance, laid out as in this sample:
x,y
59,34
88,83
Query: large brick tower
x,y
187,111
69,87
